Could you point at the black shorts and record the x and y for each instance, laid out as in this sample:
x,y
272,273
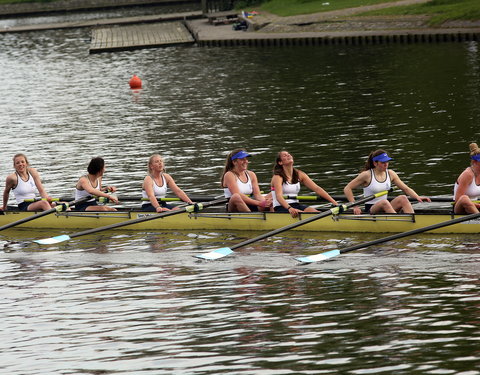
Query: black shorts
x,y
148,207
83,206
298,206
252,207
24,206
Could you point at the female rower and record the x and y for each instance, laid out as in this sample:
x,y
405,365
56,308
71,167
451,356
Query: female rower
x,y
467,186
376,177
25,183
155,186
240,185
286,180
91,184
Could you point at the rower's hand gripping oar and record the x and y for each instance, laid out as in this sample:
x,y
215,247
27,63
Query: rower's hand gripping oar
x,y
190,208
333,253
224,251
58,208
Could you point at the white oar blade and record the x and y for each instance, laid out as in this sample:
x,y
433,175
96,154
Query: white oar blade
x,y
319,257
53,240
216,254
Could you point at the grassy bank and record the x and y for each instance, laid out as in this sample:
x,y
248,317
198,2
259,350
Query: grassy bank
x,y
294,7
438,10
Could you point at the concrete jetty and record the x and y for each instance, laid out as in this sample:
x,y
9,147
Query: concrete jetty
x,y
223,36
164,34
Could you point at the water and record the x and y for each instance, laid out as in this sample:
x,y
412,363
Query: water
x,y
86,15
139,303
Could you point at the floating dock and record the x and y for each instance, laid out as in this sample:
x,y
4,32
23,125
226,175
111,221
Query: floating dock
x,y
121,38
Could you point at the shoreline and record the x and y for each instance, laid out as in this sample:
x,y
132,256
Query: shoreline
x,y
339,27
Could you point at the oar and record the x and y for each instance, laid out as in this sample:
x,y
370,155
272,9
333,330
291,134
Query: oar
x,y
138,198
190,208
58,208
316,198
224,251
42,199
333,253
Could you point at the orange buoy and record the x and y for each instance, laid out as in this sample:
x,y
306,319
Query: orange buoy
x,y
135,82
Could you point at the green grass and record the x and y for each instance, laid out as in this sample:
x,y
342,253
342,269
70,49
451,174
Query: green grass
x,y
293,7
439,10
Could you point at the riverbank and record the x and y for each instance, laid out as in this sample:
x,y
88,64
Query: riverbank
x,y
354,19
346,26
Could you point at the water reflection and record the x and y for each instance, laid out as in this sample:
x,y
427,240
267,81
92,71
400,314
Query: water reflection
x,y
348,321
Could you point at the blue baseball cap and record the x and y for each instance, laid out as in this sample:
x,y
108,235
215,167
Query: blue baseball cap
x,y
240,155
382,157
475,157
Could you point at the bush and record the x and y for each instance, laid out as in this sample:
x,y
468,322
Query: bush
x,y
248,3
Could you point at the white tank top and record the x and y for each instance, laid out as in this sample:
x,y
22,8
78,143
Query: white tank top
x,y
244,187
25,189
79,194
376,187
473,190
287,189
159,191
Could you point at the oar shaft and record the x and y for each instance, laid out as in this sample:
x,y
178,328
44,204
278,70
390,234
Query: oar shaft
x,y
43,213
138,198
410,233
189,208
27,219
42,199
316,198
332,211
225,251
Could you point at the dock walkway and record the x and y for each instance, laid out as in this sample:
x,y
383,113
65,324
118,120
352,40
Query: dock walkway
x,y
108,39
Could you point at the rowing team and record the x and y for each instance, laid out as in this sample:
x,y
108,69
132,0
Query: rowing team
x,y
241,186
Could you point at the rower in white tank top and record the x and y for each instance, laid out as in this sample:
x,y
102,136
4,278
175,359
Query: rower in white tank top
x,y
159,191
25,189
79,194
473,190
376,186
244,187
287,189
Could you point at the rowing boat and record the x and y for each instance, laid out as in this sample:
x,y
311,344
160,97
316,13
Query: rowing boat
x,y
214,220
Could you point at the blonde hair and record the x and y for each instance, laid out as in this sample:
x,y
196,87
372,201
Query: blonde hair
x,y
20,155
150,159
474,150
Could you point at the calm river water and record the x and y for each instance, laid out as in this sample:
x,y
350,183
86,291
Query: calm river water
x,y
138,303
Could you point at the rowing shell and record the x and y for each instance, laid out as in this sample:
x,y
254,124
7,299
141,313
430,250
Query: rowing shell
x,y
386,223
